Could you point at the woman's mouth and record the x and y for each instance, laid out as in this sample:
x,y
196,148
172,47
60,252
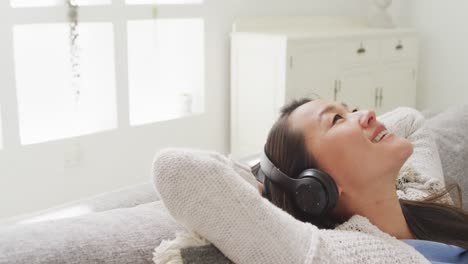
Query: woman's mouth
x,y
380,136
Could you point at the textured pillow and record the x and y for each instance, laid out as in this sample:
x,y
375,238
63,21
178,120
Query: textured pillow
x,y
126,235
450,130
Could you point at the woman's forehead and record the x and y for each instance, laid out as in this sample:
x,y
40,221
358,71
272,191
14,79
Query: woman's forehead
x,y
307,114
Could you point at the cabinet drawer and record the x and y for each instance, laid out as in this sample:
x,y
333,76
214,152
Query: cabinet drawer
x,y
359,52
399,48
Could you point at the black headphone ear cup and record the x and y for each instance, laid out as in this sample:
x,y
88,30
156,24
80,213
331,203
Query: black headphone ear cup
x,y
311,197
316,192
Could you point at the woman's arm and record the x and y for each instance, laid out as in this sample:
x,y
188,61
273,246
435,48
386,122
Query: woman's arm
x,y
205,193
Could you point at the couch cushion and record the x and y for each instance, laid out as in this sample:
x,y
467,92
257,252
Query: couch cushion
x,y
127,235
450,130
126,197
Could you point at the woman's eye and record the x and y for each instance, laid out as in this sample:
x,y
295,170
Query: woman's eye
x,y
354,110
336,118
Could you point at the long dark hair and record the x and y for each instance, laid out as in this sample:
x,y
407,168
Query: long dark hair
x,y
428,219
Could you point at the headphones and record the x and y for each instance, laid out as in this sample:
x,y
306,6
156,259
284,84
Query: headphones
x,y
314,192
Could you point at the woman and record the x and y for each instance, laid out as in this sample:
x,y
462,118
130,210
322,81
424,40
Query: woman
x,y
202,190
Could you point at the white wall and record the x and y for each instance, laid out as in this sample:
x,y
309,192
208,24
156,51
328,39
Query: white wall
x,y
443,28
33,177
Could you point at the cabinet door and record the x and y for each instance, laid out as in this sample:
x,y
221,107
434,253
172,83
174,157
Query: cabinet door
x,y
398,86
311,71
357,88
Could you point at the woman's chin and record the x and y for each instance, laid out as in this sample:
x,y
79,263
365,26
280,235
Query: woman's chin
x,y
400,149
405,148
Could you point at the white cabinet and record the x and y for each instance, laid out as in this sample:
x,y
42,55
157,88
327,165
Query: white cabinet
x,y
356,88
304,62
397,86
364,68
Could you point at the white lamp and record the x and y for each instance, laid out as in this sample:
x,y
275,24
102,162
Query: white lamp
x,y
381,19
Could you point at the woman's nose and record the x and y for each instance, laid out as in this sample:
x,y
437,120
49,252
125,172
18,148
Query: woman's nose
x,y
367,117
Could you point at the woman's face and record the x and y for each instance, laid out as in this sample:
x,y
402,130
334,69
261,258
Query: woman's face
x,y
340,140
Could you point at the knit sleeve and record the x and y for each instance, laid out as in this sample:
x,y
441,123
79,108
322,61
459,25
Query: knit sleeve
x,y
421,175
204,193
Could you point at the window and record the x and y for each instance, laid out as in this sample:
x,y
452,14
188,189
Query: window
x,y
140,2
65,90
42,3
48,105
165,59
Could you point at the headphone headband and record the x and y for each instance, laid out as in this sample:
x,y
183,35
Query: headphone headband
x,y
274,174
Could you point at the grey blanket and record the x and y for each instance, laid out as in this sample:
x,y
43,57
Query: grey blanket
x,y
204,254
450,131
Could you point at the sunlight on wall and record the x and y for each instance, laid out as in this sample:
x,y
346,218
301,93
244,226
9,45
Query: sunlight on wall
x,y
65,213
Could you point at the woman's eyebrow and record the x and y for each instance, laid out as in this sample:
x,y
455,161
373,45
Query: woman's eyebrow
x,y
345,106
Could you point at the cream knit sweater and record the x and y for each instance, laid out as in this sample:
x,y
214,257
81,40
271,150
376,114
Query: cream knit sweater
x,y
217,198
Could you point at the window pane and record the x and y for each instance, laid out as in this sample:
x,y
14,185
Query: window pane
x,y
163,2
47,103
166,69
36,3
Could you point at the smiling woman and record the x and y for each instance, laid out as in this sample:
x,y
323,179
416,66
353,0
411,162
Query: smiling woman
x,y
364,161
373,220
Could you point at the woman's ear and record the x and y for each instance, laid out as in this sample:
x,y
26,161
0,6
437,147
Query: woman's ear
x,y
340,190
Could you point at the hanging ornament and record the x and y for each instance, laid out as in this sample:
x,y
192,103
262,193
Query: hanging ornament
x,y
74,49
381,18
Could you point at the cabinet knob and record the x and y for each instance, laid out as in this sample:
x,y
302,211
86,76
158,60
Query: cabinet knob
x,y
399,46
361,50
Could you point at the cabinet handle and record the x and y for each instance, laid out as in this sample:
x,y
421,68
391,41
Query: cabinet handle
x,y
381,96
335,90
361,50
376,98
